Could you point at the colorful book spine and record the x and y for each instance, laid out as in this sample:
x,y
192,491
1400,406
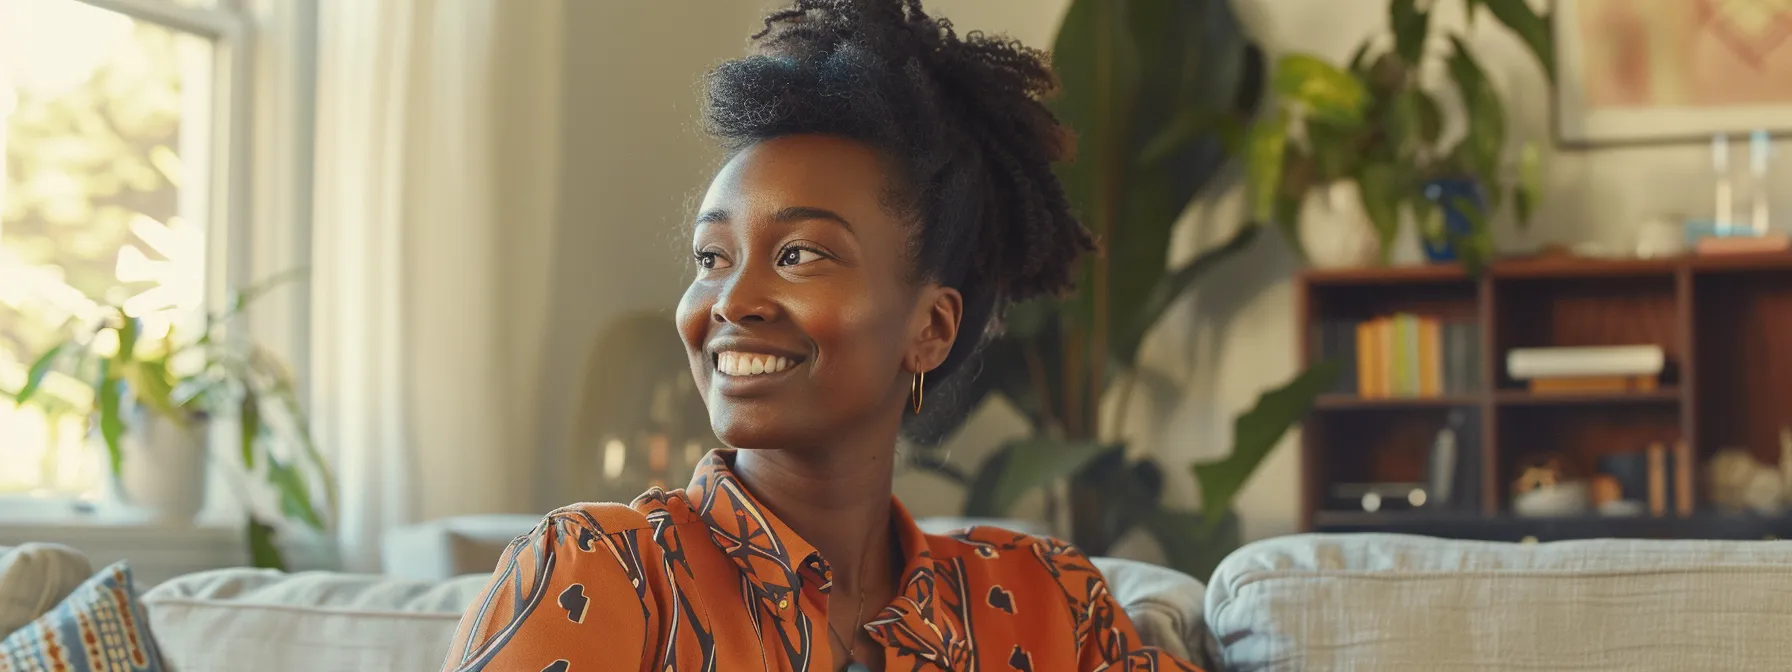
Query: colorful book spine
x,y
1403,355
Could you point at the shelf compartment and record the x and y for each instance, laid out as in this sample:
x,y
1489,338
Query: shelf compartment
x,y
1521,398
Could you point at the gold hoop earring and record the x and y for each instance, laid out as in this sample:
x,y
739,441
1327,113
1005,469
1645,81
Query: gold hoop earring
x,y
917,389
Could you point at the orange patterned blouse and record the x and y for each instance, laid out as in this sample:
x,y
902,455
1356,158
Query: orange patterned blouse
x,y
705,579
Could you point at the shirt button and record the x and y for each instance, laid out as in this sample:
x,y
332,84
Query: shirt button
x,y
784,604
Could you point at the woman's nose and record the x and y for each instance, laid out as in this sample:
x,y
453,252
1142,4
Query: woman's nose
x,y
744,300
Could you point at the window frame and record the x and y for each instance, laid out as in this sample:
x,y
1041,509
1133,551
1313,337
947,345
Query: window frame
x,y
259,168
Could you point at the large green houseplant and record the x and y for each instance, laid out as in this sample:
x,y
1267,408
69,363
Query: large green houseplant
x,y
188,379
1145,83
1375,122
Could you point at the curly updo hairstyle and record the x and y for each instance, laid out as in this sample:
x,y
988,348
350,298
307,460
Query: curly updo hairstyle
x,y
959,119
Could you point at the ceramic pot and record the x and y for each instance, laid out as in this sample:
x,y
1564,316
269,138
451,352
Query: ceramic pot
x,y
1335,229
163,469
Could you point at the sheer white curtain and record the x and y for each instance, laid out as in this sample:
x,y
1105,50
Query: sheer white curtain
x,y
435,126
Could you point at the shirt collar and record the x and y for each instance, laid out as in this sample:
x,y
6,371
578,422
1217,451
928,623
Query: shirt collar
x,y
774,561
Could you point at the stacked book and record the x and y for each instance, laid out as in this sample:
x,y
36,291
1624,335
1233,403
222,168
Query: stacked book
x,y
1587,369
1404,355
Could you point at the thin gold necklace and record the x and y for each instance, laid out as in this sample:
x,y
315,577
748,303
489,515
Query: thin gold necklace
x,y
851,645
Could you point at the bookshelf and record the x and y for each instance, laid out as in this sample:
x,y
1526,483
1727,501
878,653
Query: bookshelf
x,y
1724,323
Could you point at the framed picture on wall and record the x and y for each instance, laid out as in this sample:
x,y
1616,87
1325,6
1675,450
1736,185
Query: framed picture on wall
x,y
1671,70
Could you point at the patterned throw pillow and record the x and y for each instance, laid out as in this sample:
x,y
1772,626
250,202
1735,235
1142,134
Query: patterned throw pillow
x,y
100,626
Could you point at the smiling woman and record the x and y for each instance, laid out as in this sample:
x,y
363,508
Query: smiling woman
x,y
888,193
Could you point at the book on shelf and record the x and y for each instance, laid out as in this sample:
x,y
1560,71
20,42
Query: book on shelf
x,y
1403,355
1603,361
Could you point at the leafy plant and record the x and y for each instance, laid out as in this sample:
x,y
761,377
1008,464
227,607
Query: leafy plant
x,y
1373,121
225,374
1145,85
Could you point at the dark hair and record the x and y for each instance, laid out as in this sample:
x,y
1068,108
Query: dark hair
x,y
962,124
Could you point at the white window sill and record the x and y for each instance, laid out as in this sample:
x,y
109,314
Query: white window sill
x,y
157,551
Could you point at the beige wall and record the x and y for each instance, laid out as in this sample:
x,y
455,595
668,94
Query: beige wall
x,y
632,158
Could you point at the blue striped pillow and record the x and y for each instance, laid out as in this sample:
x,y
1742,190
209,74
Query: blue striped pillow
x,y
100,626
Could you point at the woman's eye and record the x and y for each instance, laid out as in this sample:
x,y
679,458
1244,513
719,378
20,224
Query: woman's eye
x,y
710,260
796,256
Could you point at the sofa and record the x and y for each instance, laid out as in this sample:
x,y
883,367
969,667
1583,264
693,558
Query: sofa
x,y
1304,602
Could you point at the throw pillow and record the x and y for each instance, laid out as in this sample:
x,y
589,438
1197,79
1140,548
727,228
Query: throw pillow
x,y
35,577
100,626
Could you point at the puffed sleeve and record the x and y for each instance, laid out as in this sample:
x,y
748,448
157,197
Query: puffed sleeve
x,y
560,600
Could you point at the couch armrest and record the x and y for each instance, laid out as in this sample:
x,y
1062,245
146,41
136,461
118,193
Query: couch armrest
x,y
1165,605
443,549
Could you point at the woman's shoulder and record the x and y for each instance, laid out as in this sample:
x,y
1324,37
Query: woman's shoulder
x,y
654,507
1006,551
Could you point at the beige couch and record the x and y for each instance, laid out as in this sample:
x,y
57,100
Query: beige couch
x,y
1310,602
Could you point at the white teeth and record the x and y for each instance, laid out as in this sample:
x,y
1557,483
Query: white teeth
x,y
748,364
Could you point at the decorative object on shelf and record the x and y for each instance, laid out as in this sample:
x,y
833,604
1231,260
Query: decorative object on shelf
x,y
1738,482
1546,488
1665,71
1374,123
1380,497
1588,369
1442,463
1726,233
154,397
1660,237
1343,236
1147,95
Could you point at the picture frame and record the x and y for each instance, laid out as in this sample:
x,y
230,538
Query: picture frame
x,y
1651,71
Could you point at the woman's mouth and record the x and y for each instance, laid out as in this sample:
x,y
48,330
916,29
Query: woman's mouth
x,y
743,364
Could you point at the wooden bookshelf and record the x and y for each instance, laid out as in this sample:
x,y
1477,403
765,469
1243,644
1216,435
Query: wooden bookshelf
x,y
1725,324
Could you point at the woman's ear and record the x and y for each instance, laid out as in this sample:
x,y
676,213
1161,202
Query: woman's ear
x,y
935,327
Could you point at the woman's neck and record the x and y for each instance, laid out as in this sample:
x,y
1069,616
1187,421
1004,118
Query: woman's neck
x,y
838,501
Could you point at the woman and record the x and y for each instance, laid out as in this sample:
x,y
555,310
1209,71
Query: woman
x,y
889,191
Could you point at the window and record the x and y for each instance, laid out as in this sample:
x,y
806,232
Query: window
x,y
118,121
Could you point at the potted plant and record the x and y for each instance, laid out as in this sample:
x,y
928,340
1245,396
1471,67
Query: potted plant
x,y
1146,83
1359,145
153,400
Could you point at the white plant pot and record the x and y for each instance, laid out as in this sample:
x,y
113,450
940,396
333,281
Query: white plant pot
x,y
1335,229
163,469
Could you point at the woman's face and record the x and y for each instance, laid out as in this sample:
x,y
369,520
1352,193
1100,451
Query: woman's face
x,y
801,324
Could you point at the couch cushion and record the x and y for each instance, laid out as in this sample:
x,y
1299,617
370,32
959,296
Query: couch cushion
x,y
35,577
1165,606
235,619
99,626
1392,602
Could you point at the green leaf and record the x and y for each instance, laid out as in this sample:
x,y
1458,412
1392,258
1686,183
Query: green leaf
x,y
128,331
1254,434
980,497
148,379
112,426
1265,152
1476,248
264,551
1486,136
1411,27
1431,117
1126,341
1529,188
295,495
1531,27
39,369
249,426
1190,545
1326,92
1038,462
1382,190
1359,62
